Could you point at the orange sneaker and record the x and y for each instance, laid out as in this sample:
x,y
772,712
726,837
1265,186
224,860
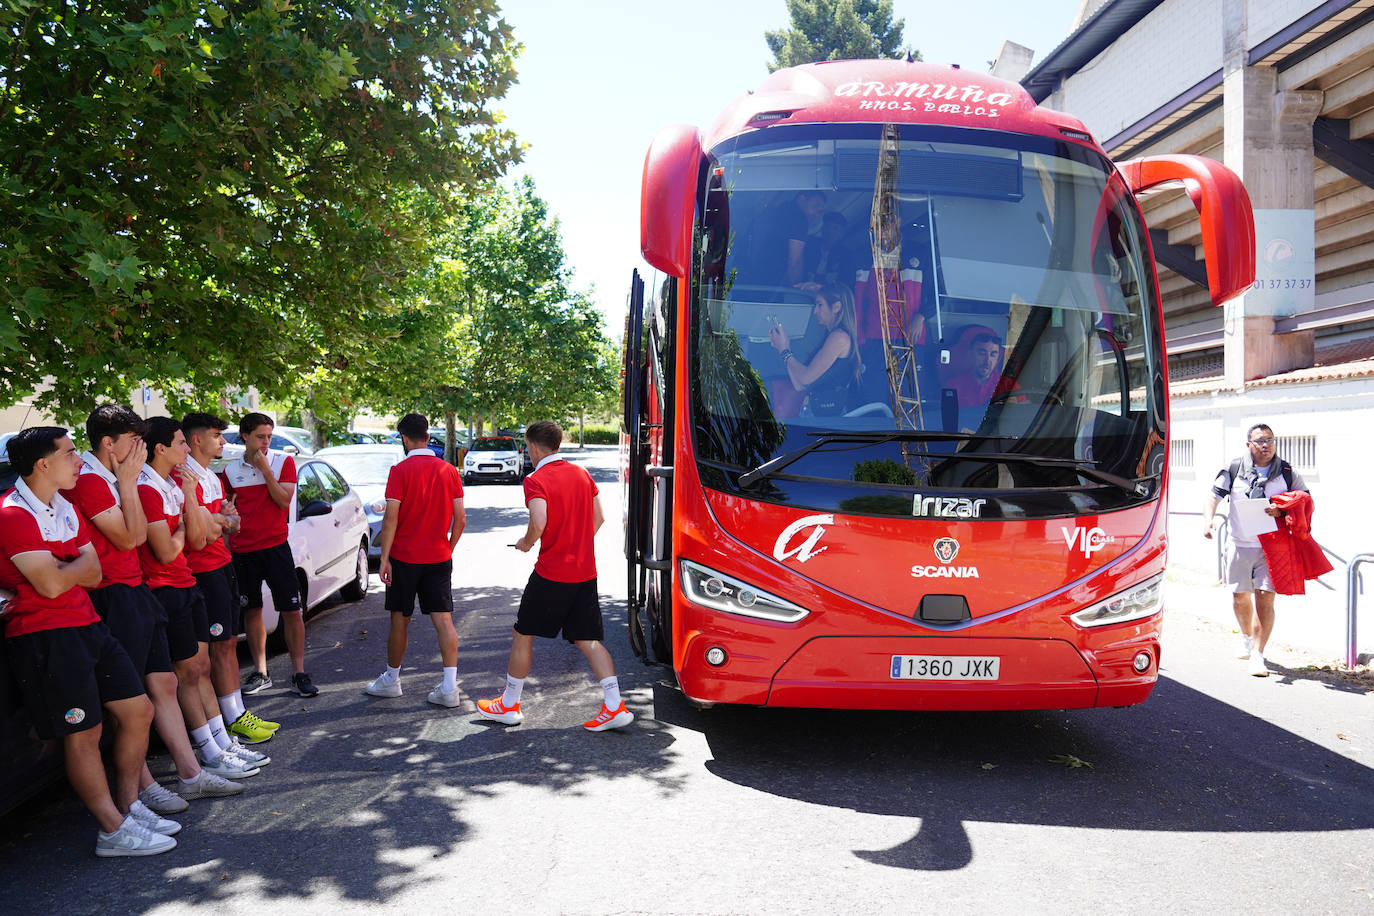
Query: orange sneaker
x,y
609,718
493,710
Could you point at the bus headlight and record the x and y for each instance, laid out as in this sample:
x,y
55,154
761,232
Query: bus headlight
x,y
1135,603
721,592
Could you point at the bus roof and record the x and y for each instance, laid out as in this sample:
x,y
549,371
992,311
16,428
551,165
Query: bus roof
x,y
887,91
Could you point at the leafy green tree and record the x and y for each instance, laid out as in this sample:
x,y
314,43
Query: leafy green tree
x,y
491,329
837,30
207,195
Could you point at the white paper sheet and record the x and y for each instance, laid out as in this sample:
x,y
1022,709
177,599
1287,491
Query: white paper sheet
x,y
1249,519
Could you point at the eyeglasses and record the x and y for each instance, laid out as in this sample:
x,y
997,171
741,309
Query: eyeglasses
x,y
1262,443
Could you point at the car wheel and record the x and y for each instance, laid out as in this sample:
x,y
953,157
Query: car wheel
x,y
356,589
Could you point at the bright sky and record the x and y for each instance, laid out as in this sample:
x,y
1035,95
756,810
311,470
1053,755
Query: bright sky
x,y
600,77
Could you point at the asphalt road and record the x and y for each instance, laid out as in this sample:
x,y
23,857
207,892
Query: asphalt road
x,y
1222,794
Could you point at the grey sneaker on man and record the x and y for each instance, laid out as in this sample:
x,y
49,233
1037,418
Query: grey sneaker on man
x,y
132,839
230,767
162,801
208,786
256,682
247,754
441,697
139,812
382,686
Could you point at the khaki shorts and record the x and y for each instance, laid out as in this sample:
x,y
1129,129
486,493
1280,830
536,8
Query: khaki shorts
x,y
1246,570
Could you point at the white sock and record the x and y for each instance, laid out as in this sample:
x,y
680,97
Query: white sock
x,y
450,678
612,688
231,706
204,743
218,733
194,779
392,674
512,695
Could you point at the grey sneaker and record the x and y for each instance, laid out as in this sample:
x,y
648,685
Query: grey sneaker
x,y
301,686
161,801
208,786
139,812
132,839
247,754
230,767
441,697
382,687
256,682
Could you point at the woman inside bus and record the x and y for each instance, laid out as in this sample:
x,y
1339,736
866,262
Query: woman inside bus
x,y
827,374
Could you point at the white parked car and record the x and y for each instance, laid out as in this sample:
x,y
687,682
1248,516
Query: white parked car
x,y
328,534
494,458
366,467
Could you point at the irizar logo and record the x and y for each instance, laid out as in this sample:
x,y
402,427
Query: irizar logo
x,y
1088,540
946,506
807,548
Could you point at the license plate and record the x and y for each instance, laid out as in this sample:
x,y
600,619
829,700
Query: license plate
x,y
946,667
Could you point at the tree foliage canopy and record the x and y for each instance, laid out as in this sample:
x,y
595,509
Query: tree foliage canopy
x,y
837,30
204,195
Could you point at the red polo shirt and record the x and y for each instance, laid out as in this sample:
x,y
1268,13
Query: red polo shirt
x,y
425,485
566,551
162,503
28,526
210,494
93,494
262,522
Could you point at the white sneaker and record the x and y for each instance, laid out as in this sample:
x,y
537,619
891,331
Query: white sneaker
x,y
441,697
1257,665
247,754
132,839
230,767
383,687
139,812
1245,646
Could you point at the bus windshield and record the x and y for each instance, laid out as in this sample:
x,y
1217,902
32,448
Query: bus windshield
x,y
882,313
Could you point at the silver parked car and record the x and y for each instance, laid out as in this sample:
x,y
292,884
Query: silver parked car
x,y
366,467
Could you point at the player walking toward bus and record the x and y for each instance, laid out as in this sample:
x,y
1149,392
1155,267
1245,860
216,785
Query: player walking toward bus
x,y
424,520
565,513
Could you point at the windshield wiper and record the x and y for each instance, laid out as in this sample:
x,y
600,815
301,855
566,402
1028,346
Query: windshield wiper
x,y
856,437
1082,466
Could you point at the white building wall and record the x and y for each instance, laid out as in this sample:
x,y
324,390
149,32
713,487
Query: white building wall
x,y
1267,17
1173,48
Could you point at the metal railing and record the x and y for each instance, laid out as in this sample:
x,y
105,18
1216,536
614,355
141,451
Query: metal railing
x,y
1352,591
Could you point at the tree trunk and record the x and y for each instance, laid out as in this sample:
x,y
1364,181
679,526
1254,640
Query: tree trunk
x,y
450,440
581,416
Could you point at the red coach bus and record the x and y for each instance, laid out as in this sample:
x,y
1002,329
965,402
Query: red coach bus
x,y
896,416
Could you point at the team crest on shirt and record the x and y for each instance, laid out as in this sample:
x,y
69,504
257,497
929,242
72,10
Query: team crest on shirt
x,y
216,629
75,716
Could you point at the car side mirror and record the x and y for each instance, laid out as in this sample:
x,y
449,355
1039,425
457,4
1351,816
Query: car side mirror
x,y
290,450
668,188
316,508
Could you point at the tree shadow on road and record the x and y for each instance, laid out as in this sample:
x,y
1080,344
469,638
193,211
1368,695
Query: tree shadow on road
x,y
1180,762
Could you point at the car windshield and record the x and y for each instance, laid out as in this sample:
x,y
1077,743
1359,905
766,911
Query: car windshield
x,y
878,304
363,469
494,445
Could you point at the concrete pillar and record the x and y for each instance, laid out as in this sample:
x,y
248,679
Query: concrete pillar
x,y
1268,142
1013,61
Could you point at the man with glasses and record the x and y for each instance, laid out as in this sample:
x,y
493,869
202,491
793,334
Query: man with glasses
x,y
1259,475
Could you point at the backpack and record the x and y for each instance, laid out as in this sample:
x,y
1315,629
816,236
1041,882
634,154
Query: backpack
x,y
1285,469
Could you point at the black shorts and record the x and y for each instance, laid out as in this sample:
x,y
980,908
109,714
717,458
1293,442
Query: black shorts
x,y
548,606
432,583
138,621
187,626
220,589
66,675
276,567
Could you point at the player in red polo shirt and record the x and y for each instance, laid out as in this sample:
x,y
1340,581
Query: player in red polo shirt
x,y
262,483
66,662
213,567
170,528
565,513
424,520
106,495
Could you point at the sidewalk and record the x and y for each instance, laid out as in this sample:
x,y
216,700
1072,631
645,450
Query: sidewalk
x,y
1308,629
